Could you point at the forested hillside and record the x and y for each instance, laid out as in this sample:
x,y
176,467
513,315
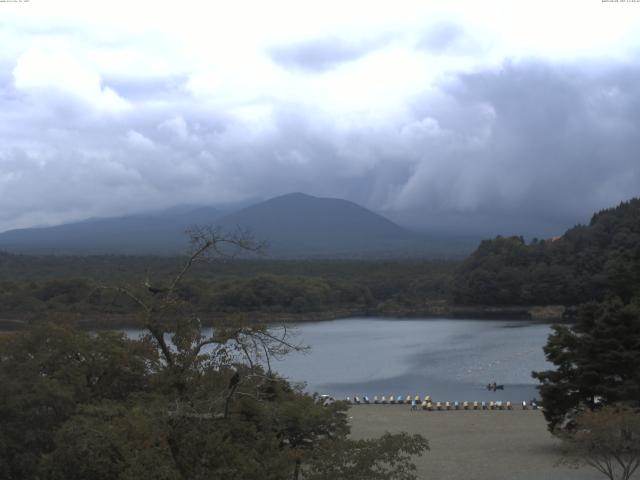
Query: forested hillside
x,y
32,286
583,265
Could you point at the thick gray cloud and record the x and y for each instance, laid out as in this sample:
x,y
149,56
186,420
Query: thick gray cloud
x,y
527,147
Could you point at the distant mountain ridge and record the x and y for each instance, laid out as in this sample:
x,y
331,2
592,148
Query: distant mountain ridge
x,y
293,225
159,233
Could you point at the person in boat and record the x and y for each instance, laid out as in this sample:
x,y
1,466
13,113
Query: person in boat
x,y
493,386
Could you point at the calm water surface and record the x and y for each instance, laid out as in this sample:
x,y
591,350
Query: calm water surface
x,y
447,359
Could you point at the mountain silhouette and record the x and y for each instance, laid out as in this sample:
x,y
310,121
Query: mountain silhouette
x,y
293,225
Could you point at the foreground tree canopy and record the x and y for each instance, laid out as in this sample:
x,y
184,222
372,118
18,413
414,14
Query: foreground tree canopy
x,y
179,403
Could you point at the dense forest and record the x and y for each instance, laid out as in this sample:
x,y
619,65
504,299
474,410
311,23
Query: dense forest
x,y
33,286
585,264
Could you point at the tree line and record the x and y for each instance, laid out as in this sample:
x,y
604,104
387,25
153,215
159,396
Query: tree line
x,y
36,286
587,263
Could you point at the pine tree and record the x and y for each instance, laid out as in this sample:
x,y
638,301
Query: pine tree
x,y
597,361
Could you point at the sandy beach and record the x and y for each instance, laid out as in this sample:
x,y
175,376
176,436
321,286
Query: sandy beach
x,y
474,445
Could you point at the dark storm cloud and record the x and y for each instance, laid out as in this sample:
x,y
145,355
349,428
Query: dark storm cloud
x,y
529,147
559,143
322,53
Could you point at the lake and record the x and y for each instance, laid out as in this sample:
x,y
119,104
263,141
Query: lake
x,y
449,359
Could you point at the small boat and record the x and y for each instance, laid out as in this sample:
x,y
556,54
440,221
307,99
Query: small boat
x,y
475,405
456,405
508,405
391,399
375,399
384,399
447,405
438,406
524,405
365,399
408,399
484,405
417,398
349,400
494,387
465,405
357,400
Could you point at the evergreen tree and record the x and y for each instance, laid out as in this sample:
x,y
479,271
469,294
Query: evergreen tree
x,y
597,361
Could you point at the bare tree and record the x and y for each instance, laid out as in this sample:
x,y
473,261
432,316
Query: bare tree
x,y
177,330
607,440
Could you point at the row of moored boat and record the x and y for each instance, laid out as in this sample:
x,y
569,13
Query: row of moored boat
x,y
426,403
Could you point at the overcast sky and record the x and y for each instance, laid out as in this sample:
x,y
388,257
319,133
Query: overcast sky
x,y
480,116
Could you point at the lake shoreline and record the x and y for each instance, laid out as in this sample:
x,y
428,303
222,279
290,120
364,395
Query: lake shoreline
x,y
549,313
